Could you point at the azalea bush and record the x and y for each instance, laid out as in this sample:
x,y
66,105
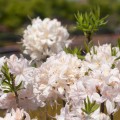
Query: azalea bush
x,y
82,86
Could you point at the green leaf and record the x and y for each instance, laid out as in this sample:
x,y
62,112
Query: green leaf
x,y
89,103
113,51
86,47
117,58
6,91
74,51
8,82
84,110
94,108
113,66
18,87
80,57
5,83
94,51
118,43
85,103
90,107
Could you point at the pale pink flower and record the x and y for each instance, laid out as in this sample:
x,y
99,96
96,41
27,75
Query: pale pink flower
x,y
16,115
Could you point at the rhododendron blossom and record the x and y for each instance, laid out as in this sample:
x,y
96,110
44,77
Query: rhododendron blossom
x,y
64,76
44,38
57,74
101,83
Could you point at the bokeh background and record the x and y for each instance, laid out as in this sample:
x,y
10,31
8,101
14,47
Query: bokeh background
x,y
15,15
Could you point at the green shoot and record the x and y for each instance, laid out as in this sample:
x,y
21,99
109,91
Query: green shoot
x,y
90,22
75,51
90,107
8,82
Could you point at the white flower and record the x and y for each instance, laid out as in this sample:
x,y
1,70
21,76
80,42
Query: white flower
x,y
103,55
83,88
2,61
19,67
62,115
7,100
57,74
110,106
16,115
67,115
16,65
101,116
44,38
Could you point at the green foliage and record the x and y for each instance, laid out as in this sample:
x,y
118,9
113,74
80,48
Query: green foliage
x,y
75,51
113,51
113,66
14,13
118,43
88,46
90,22
94,51
90,107
8,82
78,52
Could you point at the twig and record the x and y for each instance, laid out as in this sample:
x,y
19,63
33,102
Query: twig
x,y
111,116
15,92
102,107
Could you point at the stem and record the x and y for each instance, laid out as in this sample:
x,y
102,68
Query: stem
x,y
64,103
111,116
102,104
15,92
89,36
17,100
102,108
47,118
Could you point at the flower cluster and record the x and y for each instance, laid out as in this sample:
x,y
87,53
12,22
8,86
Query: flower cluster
x,y
44,38
64,76
55,76
101,84
77,114
21,75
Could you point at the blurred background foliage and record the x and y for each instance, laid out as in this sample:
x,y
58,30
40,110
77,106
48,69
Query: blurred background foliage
x,y
16,14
